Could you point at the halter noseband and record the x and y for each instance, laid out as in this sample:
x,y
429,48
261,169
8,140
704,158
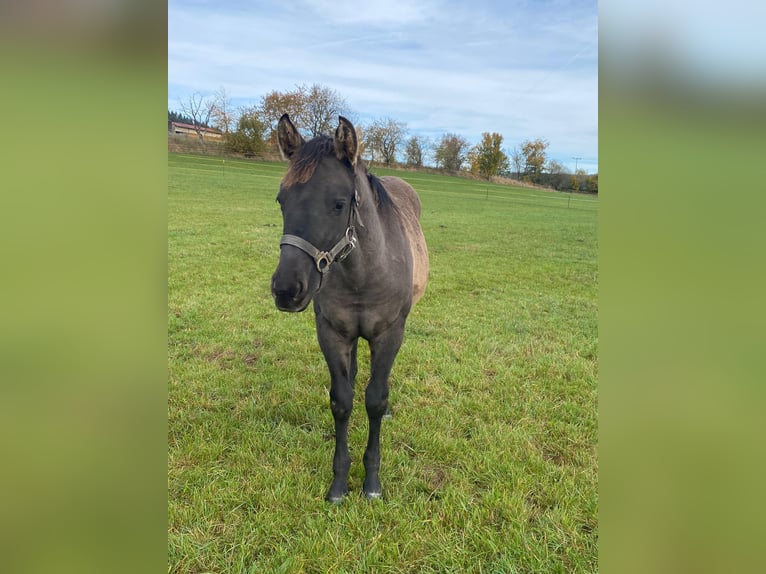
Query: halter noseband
x,y
344,246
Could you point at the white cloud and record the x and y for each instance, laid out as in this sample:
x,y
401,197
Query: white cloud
x,y
507,67
372,12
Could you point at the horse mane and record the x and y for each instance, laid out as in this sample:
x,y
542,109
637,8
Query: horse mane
x,y
382,197
303,166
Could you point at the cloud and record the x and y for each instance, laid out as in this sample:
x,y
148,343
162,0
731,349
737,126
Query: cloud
x,y
375,13
509,67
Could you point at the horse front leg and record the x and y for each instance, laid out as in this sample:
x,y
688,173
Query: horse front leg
x,y
338,354
383,350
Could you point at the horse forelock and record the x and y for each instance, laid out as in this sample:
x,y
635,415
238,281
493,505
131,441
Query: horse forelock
x,y
303,166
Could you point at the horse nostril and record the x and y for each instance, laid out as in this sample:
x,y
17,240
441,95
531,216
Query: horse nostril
x,y
293,292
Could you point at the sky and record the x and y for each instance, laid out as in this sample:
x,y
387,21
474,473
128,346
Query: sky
x,y
524,69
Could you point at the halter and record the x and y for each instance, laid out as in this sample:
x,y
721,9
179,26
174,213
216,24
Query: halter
x,y
340,250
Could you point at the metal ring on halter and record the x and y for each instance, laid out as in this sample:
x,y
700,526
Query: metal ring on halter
x,y
323,260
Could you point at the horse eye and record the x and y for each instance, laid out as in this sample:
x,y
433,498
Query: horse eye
x,y
339,205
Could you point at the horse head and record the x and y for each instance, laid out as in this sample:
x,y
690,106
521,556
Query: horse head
x,y
318,199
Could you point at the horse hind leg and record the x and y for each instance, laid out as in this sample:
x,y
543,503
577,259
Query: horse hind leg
x,y
383,351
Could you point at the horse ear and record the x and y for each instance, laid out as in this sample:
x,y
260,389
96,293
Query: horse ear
x,y
290,140
346,142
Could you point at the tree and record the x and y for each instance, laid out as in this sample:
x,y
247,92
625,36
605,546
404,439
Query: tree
x,y
415,151
223,111
274,104
174,116
487,158
517,158
199,108
314,109
558,175
591,185
450,154
247,139
534,158
321,108
382,138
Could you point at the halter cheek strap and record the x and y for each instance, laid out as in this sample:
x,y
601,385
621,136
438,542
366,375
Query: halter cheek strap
x,y
344,246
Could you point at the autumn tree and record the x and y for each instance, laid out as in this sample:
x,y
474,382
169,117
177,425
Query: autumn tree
x,y
487,157
451,152
247,139
313,109
534,158
591,184
274,104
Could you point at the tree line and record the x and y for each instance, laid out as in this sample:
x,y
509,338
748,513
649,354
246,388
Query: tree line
x,y
252,131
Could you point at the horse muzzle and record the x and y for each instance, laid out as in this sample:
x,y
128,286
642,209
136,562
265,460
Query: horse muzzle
x,y
291,297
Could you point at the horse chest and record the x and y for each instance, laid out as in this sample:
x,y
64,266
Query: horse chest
x,y
352,318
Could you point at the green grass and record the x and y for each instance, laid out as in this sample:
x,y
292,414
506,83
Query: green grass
x,y
489,463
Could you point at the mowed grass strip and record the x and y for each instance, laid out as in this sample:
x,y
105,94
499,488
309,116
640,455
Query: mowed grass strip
x,y
489,463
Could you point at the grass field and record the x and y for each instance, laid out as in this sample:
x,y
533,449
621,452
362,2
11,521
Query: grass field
x,y
489,463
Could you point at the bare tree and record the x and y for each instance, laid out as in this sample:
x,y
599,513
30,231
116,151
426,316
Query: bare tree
x,y
415,151
517,159
382,139
371,137
559,175
555,168
223,114
322,106
199,108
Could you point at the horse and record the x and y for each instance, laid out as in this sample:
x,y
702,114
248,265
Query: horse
x,y
352,243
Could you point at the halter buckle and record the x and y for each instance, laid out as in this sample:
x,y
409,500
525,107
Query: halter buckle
x,y
349,246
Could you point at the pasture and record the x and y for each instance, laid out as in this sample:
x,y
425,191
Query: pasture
x,y
489,463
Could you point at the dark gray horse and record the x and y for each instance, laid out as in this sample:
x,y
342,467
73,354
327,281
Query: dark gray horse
x,y
352,243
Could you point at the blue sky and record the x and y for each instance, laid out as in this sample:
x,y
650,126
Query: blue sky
x,y
524,69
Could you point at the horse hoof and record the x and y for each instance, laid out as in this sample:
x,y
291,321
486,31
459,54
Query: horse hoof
x,y
375,495
336,498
